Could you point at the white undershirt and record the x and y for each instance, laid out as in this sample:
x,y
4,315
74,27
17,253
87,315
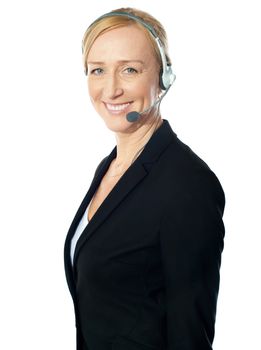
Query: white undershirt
x,y
81,226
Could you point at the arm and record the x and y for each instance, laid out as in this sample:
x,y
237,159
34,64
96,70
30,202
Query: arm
x,y
192,233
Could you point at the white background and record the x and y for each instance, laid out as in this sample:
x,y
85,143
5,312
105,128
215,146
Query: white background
x,y
52,140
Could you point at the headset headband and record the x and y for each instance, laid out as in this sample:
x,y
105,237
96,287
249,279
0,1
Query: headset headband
x,y
129,15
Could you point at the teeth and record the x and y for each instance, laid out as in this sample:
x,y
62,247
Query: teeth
x,y
117,107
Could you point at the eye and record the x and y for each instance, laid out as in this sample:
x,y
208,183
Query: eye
x,y
131,70
97,71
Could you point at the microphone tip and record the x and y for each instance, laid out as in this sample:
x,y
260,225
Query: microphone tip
x,y
132,116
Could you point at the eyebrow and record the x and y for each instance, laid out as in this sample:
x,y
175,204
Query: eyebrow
x,y
120,61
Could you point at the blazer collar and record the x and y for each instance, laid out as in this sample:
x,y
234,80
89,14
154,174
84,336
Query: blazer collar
x,y
159,140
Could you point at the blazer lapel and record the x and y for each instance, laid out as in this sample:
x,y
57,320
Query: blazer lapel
x,y
161,138
67,247
134,174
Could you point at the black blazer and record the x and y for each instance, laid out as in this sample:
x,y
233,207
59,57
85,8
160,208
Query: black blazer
x,y
146,267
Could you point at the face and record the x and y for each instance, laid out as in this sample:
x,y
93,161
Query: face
x,y
123,76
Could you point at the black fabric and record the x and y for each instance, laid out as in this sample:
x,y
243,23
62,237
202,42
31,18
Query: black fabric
x,y
146,267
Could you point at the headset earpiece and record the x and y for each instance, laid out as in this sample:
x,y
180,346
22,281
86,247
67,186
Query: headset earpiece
x,y
166,77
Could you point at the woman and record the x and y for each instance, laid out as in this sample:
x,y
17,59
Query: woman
x,y
143,253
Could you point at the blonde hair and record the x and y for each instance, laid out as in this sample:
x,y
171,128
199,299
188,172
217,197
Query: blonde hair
x,y
105,24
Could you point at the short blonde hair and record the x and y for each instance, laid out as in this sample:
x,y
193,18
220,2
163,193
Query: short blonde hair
x,y
105,24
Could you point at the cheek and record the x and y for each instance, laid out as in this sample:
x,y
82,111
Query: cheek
x,y
146,87
93,91
151,85
156,85
150,90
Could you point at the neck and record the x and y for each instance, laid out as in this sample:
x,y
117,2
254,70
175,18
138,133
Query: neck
x,y
128,145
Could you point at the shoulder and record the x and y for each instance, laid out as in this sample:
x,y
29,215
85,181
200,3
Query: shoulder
x,y
181,156
187,175
194,200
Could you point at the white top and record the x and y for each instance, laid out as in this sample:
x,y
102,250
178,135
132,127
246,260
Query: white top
x,y
81,226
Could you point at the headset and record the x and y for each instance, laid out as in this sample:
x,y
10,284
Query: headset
x,y
167,76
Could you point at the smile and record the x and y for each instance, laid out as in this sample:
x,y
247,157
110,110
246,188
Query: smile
x,y
117,108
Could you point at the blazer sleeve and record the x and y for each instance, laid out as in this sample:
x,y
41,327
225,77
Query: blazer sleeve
x,y
191,236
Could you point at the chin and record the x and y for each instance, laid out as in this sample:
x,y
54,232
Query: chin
x,y
118,123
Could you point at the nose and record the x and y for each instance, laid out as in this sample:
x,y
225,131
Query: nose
x,y
112,87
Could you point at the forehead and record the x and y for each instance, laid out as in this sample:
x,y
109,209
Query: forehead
x,y
128,42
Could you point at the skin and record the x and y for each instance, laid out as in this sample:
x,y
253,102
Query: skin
x,y
122,68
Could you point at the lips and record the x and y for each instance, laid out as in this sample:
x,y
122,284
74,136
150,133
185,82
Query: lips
x,y
117,107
